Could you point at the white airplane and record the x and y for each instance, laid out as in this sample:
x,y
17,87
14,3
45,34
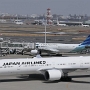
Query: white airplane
x,y
60,24
61,48
53,68
19,22
85,25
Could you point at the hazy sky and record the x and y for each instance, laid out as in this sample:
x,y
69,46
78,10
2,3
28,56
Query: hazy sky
x,y
63,7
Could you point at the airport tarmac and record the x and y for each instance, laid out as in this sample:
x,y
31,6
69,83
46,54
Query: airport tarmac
x,y
28,55
80,80
36,82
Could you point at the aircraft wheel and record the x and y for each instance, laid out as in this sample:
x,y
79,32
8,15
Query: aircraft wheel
x,y
22,52
29,76
40,52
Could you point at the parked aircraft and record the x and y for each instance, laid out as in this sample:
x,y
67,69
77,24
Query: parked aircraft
x,y
60,24
85,25
53,68
19,22
62,48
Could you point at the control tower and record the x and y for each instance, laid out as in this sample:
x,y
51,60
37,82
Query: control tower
x,y
49,16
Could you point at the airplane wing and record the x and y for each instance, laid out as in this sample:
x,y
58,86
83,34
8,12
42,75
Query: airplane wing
x,y
52,73
42,70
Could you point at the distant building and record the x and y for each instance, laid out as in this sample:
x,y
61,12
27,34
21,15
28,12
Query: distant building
x,y
3,21
87,22
33,16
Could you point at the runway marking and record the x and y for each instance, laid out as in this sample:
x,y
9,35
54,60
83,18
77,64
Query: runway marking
x,y
67,86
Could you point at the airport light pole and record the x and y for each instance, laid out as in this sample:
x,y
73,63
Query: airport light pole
x,y
45,32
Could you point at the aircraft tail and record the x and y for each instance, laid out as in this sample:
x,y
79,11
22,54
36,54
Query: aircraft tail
x,y
86,41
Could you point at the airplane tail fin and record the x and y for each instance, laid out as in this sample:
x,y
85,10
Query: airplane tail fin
x,y
86,41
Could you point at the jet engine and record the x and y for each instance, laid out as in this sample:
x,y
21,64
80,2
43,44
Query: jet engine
x,y
34,51
51,75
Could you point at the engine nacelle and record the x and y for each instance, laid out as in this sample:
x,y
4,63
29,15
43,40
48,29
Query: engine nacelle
x,y
34,51
51,75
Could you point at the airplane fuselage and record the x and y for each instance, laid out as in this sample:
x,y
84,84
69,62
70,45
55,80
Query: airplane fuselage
x,y
60,47
37,65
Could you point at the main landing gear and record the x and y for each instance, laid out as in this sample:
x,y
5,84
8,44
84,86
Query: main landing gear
x,y
66,78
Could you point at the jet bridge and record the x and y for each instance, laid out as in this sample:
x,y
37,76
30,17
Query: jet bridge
x,y
7,47
17,47
4,48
